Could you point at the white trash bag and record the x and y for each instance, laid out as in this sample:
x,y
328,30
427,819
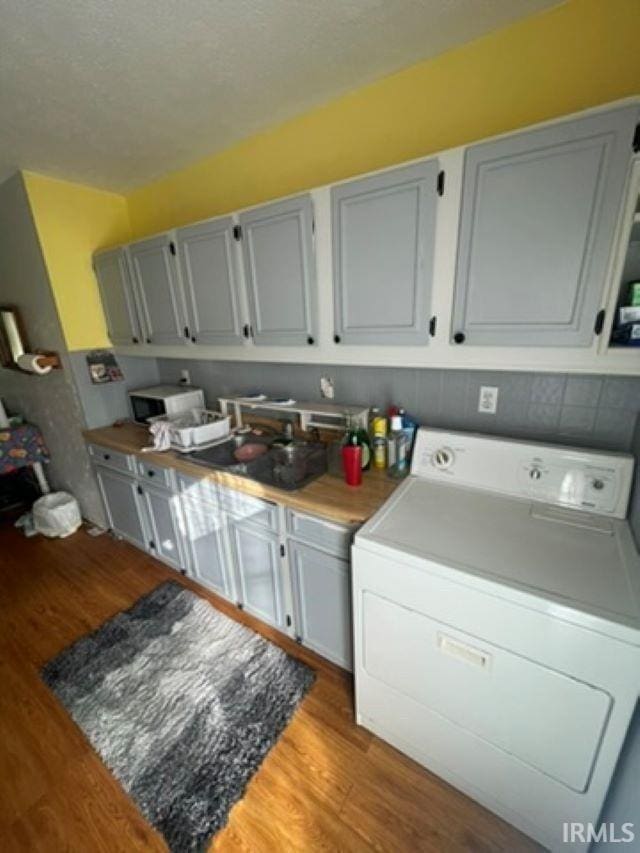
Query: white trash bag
x,y
56,514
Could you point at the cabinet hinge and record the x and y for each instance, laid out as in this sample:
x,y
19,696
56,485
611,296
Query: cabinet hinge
x,y
433,322
440,182
636,139
237,232
282,551
288,621
599,324
172,247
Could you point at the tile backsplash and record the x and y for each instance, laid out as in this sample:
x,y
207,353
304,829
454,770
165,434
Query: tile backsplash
x,y
592,411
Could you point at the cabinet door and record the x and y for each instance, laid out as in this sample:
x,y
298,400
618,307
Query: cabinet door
x,y
123,505
257,563
539,211
155,274
383,231
118,298
164,523
277,244
204,535
322,596
206,257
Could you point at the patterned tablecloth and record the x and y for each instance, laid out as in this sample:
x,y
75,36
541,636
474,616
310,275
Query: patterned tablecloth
x,y
20,446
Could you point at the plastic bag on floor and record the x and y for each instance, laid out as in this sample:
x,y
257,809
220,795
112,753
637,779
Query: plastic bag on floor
x,y
56,514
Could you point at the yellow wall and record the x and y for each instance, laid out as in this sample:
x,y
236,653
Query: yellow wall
x,y
577,55
72,221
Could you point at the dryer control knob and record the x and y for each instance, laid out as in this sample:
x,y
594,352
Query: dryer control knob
x,y
443,458
535,473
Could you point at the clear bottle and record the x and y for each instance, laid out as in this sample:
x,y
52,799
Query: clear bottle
x,y
397,444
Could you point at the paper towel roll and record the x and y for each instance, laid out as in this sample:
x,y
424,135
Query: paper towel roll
x,y
30,362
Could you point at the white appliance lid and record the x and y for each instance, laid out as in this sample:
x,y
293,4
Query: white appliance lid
x,y
586,562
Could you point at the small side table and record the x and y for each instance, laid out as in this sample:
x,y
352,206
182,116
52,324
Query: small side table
x,y
24,446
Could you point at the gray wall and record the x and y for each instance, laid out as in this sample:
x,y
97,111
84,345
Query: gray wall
x,y
103,404
49,401
587,411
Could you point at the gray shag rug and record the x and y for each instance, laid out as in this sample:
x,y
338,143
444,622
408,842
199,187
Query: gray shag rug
x,y
182,704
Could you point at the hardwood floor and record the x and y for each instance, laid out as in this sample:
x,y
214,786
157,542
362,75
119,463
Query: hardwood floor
x,y
326,785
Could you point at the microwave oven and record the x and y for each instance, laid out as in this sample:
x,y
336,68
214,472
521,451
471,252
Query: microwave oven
x,y
164,400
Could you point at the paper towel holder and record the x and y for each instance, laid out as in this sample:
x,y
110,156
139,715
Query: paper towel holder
x,y
13,341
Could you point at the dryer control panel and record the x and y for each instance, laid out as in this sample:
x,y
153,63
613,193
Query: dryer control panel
x,y
589,480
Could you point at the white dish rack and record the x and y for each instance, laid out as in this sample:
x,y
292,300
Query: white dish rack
x,y
195,428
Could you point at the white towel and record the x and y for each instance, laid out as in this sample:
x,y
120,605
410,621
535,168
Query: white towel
x,y
160,432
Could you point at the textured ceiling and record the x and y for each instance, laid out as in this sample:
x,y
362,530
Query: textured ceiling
x,y
115,93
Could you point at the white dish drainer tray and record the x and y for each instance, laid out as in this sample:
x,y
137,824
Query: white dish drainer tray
x,y
195,429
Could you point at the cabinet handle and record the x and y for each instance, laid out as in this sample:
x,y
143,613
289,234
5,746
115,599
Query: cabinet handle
x,y
459,337
310,340
245,330
194,340
151,473
336,339
134,340
432,326
186,332
140,490
106,456
152,545
148,340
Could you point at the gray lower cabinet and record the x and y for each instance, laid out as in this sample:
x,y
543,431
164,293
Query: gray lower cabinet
x,y
279,262
537,226
123,504
155,274
119,300
322,602
163,525
210,279
383,232
207,554
256,555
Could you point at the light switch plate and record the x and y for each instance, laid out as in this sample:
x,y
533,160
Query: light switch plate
x,y
326,387
488,399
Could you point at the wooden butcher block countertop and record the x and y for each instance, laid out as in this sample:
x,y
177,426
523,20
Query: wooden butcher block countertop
x,y
328,496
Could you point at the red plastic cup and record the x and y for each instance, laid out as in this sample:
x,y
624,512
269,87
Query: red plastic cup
x,y
352,464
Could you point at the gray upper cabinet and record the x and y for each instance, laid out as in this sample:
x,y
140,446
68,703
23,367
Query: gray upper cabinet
x,y
279,260
118,297
383,232
155,274
539,212
209,276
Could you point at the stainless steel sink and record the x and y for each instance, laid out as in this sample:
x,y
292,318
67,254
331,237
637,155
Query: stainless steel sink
x,y
286,464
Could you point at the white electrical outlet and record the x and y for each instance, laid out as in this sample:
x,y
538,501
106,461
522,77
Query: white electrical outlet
x,y
326,387
185,377
488,400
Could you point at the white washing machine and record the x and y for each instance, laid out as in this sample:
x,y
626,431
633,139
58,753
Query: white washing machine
x,y
497,624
